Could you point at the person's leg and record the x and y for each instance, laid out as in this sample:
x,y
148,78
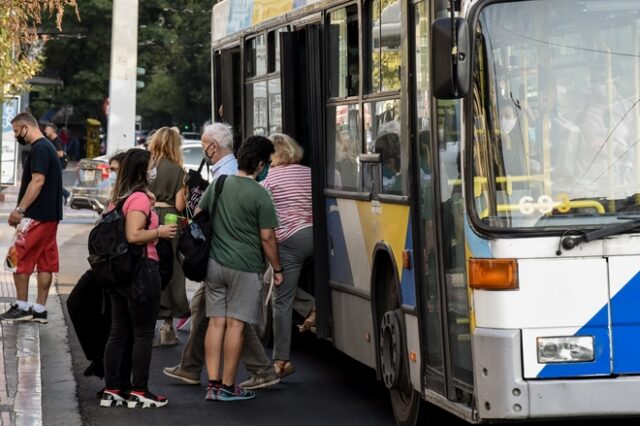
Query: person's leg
x,y
47,261
212,345
22,286
193,353
232,346
115,349
293,253
44,284
144,311
254,356
304,303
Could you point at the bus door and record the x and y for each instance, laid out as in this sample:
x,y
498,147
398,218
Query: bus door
x,y
302,118
439,230
227,96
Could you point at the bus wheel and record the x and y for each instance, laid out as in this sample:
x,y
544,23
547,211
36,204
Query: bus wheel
x,y
405,400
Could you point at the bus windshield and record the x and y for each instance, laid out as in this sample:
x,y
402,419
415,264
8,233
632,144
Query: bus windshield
x,y
556,126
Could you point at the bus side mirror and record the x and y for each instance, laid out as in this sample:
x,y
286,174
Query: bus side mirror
x,y
450,79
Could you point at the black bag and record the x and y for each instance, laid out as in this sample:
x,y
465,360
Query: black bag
x,y
196,185
195,241
165,256
114,260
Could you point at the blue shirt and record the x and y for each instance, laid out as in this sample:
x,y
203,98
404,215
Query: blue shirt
x,y
227,165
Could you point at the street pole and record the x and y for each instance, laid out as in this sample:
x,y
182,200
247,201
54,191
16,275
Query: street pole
x,y
122,82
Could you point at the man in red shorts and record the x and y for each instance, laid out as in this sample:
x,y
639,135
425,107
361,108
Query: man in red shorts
x,y
36,218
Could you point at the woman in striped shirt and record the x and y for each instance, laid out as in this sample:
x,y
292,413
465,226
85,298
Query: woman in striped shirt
x,y
290,186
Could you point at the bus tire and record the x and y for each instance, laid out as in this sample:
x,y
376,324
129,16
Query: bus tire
x,y
406,402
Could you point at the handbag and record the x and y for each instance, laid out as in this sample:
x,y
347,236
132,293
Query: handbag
x,y
196,185
195,241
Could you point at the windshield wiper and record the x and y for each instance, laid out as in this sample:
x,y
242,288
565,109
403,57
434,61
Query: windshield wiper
x,y
570,242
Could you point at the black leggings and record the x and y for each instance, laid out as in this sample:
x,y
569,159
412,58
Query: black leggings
x,y
134,309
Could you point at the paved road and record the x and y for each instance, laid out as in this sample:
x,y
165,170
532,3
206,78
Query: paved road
x,y
327,388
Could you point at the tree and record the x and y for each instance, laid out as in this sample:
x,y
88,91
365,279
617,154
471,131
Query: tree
x,y
19,58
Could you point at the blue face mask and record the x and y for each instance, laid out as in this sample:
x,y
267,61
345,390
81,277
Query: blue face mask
x,y
112,178
263,174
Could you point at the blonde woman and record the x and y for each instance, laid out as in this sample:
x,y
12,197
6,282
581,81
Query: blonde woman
x,y
166,177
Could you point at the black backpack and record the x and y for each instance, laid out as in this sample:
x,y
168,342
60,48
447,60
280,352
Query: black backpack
x,y
114,260
195,241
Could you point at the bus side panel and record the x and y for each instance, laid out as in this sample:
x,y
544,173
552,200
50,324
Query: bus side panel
x,y
624,283
353,333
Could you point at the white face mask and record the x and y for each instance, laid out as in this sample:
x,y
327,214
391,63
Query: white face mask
x,y
507,124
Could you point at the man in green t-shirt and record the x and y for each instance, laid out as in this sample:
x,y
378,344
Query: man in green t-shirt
x,y
243,236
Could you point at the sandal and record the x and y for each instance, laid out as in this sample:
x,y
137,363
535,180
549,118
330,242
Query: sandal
x,y
283,368
309,323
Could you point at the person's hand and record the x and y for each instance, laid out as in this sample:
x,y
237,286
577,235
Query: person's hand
x,y
278,278
167,231
14,218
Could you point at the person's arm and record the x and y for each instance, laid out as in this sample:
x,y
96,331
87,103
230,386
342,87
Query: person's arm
x,y
137,234
60,153
270,248
181,199
30,195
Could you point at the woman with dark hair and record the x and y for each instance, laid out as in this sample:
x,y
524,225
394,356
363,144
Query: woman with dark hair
x,y
135,305
243,236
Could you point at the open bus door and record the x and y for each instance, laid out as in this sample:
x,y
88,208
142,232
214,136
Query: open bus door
x,y
227,96
302,92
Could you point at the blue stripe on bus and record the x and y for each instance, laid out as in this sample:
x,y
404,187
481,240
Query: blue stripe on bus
x,y
339,266
479,246
598,327
408,284
625,321
240,15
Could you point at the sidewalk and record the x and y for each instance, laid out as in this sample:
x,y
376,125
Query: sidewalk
x,y
20,363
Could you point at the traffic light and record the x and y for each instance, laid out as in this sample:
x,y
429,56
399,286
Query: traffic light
x,y
140,72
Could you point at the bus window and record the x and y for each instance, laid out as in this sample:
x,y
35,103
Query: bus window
x,y
382,127
275,106
343,52
256,55
343,169
257,118
384,35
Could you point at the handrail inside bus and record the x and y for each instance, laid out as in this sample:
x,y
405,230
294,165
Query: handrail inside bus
x,y
478,181
577,204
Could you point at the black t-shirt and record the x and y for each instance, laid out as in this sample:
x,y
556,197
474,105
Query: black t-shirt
x,y
43,159
58,144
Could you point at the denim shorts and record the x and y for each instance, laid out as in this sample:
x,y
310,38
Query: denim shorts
x,y
232,294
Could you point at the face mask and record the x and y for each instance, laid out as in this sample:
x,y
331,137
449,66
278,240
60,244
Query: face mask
x,y
112,178
152,174
20,139
507,124
263,174
207,157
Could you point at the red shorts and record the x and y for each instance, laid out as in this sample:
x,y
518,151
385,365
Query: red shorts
x,y
36,247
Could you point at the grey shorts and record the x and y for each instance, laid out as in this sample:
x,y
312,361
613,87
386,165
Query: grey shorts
x,y
233,294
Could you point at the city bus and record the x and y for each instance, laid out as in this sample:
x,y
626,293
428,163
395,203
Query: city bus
x,y
476,181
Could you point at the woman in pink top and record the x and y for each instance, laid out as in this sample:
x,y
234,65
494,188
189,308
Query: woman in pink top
x,y
135,305
290,186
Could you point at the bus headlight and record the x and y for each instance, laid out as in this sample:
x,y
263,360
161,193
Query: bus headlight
x,y
565,349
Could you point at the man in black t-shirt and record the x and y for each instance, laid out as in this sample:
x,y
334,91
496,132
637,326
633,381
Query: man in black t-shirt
x,y
36,219
51,131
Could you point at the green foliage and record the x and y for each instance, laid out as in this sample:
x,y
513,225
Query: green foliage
x,y
173,47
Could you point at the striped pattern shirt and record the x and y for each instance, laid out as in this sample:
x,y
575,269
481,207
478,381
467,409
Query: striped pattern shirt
x,y
290,187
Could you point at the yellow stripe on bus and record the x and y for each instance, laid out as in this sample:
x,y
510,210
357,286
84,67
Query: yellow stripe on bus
x,y
267,9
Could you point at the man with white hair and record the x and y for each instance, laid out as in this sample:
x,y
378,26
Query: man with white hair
x,y
217,147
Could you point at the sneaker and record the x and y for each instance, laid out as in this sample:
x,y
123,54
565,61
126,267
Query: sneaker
x,y
178,373
112,398
257,381
39,317
140,399
16,314
212,392
237,394
182,323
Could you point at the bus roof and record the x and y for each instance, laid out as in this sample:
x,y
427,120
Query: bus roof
x,y
231,16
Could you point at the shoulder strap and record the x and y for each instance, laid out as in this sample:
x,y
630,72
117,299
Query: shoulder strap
x,y
202,163
218,191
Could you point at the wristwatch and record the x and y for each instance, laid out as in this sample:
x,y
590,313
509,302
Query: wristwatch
x,y
20,210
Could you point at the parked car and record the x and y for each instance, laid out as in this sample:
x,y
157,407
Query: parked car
x,y
92,188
